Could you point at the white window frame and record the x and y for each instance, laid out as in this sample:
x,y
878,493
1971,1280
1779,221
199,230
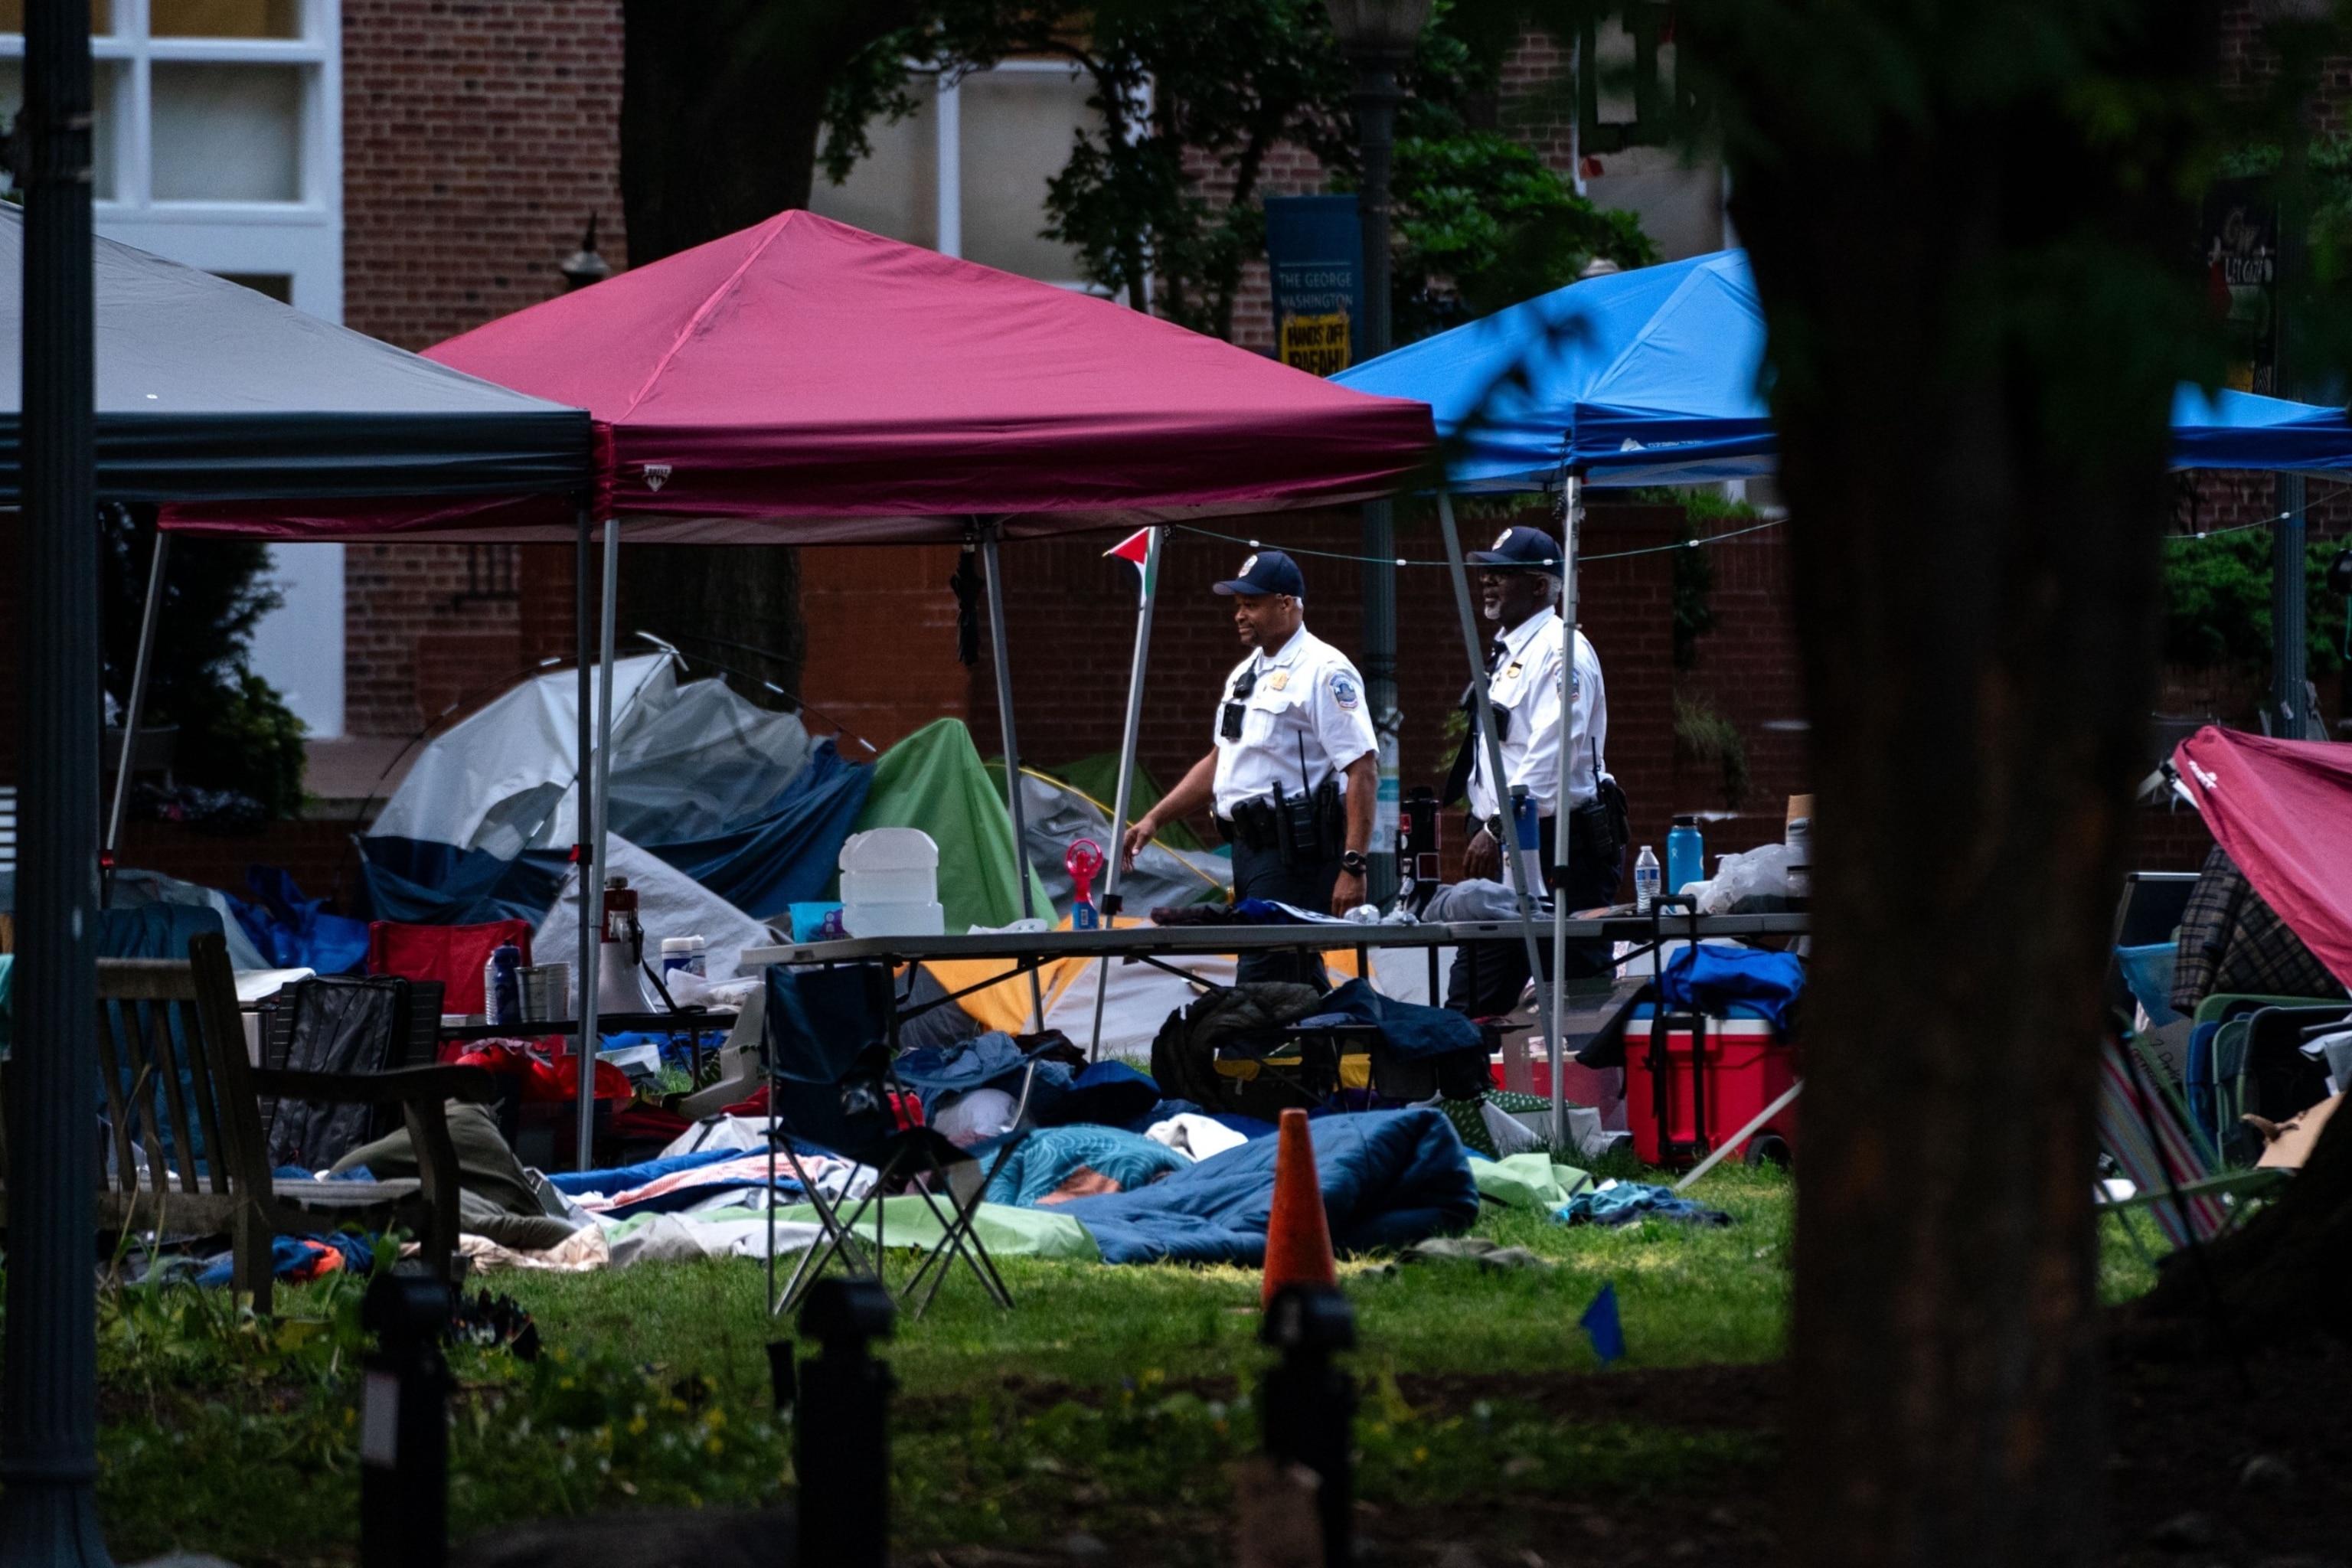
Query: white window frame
x,y
947,119
301,239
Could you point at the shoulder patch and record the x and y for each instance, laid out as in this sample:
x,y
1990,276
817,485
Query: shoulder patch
x,y
1344,690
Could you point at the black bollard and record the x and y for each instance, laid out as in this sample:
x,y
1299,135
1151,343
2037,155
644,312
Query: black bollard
x,y
841,1440
404,1425
1309,1415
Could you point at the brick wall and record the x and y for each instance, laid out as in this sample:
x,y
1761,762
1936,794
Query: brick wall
x,y
318,854
478,137
411,646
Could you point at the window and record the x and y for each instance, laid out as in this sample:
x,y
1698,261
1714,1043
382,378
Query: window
x,y
966,175
218,139
218,142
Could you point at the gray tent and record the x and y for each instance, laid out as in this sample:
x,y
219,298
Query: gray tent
x,y
209,391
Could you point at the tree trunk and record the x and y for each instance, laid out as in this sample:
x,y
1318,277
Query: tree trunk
x,y
721,104
1972,414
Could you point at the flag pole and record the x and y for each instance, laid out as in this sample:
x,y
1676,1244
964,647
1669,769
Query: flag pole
x,y
1125,794
1563,811
1483,715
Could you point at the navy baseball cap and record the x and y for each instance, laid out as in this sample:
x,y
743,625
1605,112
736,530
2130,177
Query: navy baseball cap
x,y
1521,547
1267,571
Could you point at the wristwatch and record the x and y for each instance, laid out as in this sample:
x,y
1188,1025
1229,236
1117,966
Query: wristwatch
x,y
1354,864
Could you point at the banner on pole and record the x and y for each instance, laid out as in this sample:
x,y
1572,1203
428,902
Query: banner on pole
x,y
1314,246
1136,550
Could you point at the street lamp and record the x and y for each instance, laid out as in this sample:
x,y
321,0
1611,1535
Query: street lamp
x,y
1378,38
583,266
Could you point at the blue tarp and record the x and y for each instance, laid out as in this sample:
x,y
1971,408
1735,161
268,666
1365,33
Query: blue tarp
x,y
1658,376
1714,979
417,882
788,852
1390,1178
295,933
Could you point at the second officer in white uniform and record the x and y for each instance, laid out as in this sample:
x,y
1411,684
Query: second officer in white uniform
x,y
1293,774
1520,581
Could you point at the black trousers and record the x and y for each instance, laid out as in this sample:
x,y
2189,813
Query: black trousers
x,y
1487,976
1260,874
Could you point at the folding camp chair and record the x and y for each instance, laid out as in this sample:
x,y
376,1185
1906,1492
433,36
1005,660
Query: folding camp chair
x,y
2147,1131
831,1087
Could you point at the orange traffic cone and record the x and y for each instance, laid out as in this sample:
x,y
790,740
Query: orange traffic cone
x,y
1298,1235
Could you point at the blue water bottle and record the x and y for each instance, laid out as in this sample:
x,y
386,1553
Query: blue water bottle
x,y
1685,855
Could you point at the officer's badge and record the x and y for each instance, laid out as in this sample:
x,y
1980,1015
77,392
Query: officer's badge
x,y
1513,672
1343,690
1281,681
1501,540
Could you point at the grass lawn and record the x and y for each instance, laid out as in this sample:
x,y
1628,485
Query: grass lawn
x,y
1110,1401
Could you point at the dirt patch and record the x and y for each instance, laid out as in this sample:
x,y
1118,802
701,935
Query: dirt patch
x,y
2202,1475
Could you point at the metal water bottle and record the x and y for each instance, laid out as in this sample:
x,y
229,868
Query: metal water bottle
x,y
1685,855
1646,881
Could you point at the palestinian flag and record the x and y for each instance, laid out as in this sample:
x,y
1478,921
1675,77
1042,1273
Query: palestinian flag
x,y
1135,548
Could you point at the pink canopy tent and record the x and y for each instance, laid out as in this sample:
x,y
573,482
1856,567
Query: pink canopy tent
x,y
2282,809
805,383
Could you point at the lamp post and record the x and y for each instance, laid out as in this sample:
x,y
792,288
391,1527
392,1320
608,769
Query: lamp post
x,y
48,1392
583,266
1378,38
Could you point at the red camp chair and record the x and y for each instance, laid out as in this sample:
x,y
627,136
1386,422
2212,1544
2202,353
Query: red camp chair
x,y
454,955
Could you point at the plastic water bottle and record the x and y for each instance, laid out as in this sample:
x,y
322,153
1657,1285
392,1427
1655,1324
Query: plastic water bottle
x,y
1646,881
1685,855
502,985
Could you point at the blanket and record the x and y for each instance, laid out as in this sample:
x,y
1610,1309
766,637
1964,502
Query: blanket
x,y
1041,1163
1389,1179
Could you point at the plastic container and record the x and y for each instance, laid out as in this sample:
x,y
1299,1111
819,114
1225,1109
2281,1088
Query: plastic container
x,y
1685,855
690,953
1645,881
1743,1068
1799,840
889,865
818,921
927,919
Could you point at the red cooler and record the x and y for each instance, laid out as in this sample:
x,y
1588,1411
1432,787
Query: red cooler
x,y
1744,1066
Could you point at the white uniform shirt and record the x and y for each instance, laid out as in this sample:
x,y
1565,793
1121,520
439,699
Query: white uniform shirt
x,y
1526,687
1304,720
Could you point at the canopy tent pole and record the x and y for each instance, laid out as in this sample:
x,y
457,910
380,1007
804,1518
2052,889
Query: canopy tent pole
x,y
594,739
135,707
1493,746
1124,797
1563,810
1012,746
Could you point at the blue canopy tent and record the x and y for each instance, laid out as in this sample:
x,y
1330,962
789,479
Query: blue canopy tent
x,y
1658,376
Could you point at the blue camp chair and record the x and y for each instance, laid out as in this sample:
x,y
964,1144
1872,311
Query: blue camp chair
x,y
830,1087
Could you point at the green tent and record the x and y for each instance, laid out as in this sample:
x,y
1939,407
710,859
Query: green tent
x,y
934,780
1097,778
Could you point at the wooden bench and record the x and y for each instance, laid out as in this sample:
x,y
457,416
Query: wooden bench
x,y
185,1152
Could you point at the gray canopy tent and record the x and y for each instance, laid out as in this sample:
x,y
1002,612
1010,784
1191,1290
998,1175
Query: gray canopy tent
x,y
211,391
201,389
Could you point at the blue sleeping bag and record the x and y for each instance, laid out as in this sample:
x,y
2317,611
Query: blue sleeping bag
x,y
1390,1178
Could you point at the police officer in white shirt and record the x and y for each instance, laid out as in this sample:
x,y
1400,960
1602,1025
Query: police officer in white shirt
x,y
1519,582
1294,773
